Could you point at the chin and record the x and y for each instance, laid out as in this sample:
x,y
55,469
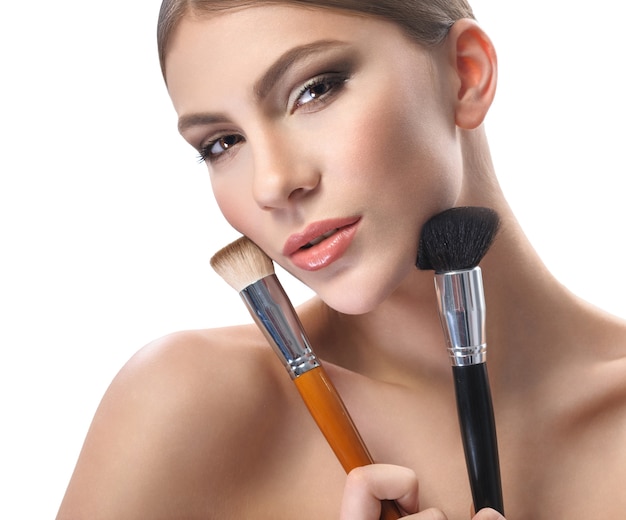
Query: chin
x,y
356,298
351,306
361,289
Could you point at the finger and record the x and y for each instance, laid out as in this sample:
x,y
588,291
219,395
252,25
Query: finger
x,y
368,485
428,514
488,514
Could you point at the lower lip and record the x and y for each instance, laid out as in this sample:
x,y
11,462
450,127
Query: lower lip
x,y
327,251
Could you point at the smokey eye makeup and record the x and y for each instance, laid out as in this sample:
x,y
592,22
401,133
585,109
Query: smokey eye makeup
x,y
312,96
218,146
323,80
319,90
318,82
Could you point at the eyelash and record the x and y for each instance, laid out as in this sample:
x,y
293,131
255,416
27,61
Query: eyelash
x,y
334,82
205,153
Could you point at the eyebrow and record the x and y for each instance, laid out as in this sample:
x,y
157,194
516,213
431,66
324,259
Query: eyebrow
x,y
264,85
199,119
287,60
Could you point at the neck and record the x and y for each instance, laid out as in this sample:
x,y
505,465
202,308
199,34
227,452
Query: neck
x,y
398,340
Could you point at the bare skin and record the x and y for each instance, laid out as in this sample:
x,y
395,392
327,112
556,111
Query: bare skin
x,y
207,424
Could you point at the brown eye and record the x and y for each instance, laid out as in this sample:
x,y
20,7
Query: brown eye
x,y
219,146
319,89
224,143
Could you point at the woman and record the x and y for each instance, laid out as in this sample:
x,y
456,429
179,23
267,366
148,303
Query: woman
x,y
351,123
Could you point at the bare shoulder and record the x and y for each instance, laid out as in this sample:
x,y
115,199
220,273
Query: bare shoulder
x,y
172,433
593,371
595,435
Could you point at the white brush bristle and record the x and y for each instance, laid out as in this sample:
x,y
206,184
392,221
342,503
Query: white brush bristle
x,y
241,263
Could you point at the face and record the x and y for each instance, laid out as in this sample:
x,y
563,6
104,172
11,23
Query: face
x,y
329,137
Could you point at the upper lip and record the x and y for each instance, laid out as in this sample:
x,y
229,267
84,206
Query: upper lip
x,y
313,231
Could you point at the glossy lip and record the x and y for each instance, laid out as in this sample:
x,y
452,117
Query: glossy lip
x,y
328,250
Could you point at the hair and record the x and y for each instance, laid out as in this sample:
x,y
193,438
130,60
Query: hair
x,y
426,21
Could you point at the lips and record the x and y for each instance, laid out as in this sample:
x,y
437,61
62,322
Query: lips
x,y
319,239
321,243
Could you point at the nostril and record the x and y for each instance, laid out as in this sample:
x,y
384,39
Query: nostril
x,y
299,193
281,188
283,173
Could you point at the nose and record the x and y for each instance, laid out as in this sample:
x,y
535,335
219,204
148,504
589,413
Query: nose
x,y
283,172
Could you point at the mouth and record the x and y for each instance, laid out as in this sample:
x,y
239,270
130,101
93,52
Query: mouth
x,y
315,233
319,239
321,243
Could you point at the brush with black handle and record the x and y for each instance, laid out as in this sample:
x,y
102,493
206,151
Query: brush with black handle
x,y
452,244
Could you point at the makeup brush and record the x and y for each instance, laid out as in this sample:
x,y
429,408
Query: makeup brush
x,y
452,244
247,269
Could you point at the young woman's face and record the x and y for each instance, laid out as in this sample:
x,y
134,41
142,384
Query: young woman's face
x,y
329,138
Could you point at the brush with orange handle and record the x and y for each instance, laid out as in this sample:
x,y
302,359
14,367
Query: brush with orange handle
x,y
250,272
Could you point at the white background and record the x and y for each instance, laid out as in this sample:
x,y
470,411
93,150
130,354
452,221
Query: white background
x,y
107,222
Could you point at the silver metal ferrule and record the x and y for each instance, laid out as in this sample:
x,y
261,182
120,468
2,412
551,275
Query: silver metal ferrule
x,y
273,312
462,311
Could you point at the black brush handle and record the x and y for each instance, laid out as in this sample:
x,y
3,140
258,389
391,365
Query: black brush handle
x,y
478,430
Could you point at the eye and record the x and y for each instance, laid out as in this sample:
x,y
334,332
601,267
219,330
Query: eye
x,y
319,90
218,147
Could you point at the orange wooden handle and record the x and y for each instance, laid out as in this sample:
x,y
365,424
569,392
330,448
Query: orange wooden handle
x,y
330,414
332,418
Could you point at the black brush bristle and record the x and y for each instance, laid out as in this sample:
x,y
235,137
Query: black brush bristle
x,y
457,239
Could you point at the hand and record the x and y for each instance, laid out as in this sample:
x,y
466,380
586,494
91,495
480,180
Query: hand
x,y
368,485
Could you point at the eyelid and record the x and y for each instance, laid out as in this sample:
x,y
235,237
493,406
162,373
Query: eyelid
x,y
204,151
336,71
336,80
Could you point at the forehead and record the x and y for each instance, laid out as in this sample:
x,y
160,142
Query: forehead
x,y
238,44
242,28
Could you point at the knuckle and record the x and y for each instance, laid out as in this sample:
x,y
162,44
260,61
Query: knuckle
x,y
433,514
358,478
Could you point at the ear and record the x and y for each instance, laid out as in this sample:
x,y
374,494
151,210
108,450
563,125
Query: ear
x,y
474,60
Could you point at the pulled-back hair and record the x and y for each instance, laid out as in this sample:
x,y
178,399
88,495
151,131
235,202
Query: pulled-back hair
x,y
426,21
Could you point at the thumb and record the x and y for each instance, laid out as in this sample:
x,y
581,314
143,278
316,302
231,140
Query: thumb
x,y
366,486
488,514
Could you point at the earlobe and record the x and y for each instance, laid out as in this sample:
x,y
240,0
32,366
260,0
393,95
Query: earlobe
x,y
475,63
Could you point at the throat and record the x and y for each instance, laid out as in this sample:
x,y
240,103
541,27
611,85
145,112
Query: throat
x,y
386,347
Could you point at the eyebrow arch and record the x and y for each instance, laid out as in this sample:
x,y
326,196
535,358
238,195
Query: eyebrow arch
x,y
263,86
199,119
281,66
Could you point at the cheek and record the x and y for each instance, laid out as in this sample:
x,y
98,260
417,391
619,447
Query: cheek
x,y
233,204
402,151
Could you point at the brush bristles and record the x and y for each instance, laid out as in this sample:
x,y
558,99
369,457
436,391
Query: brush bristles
x,y
457,239
241,263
